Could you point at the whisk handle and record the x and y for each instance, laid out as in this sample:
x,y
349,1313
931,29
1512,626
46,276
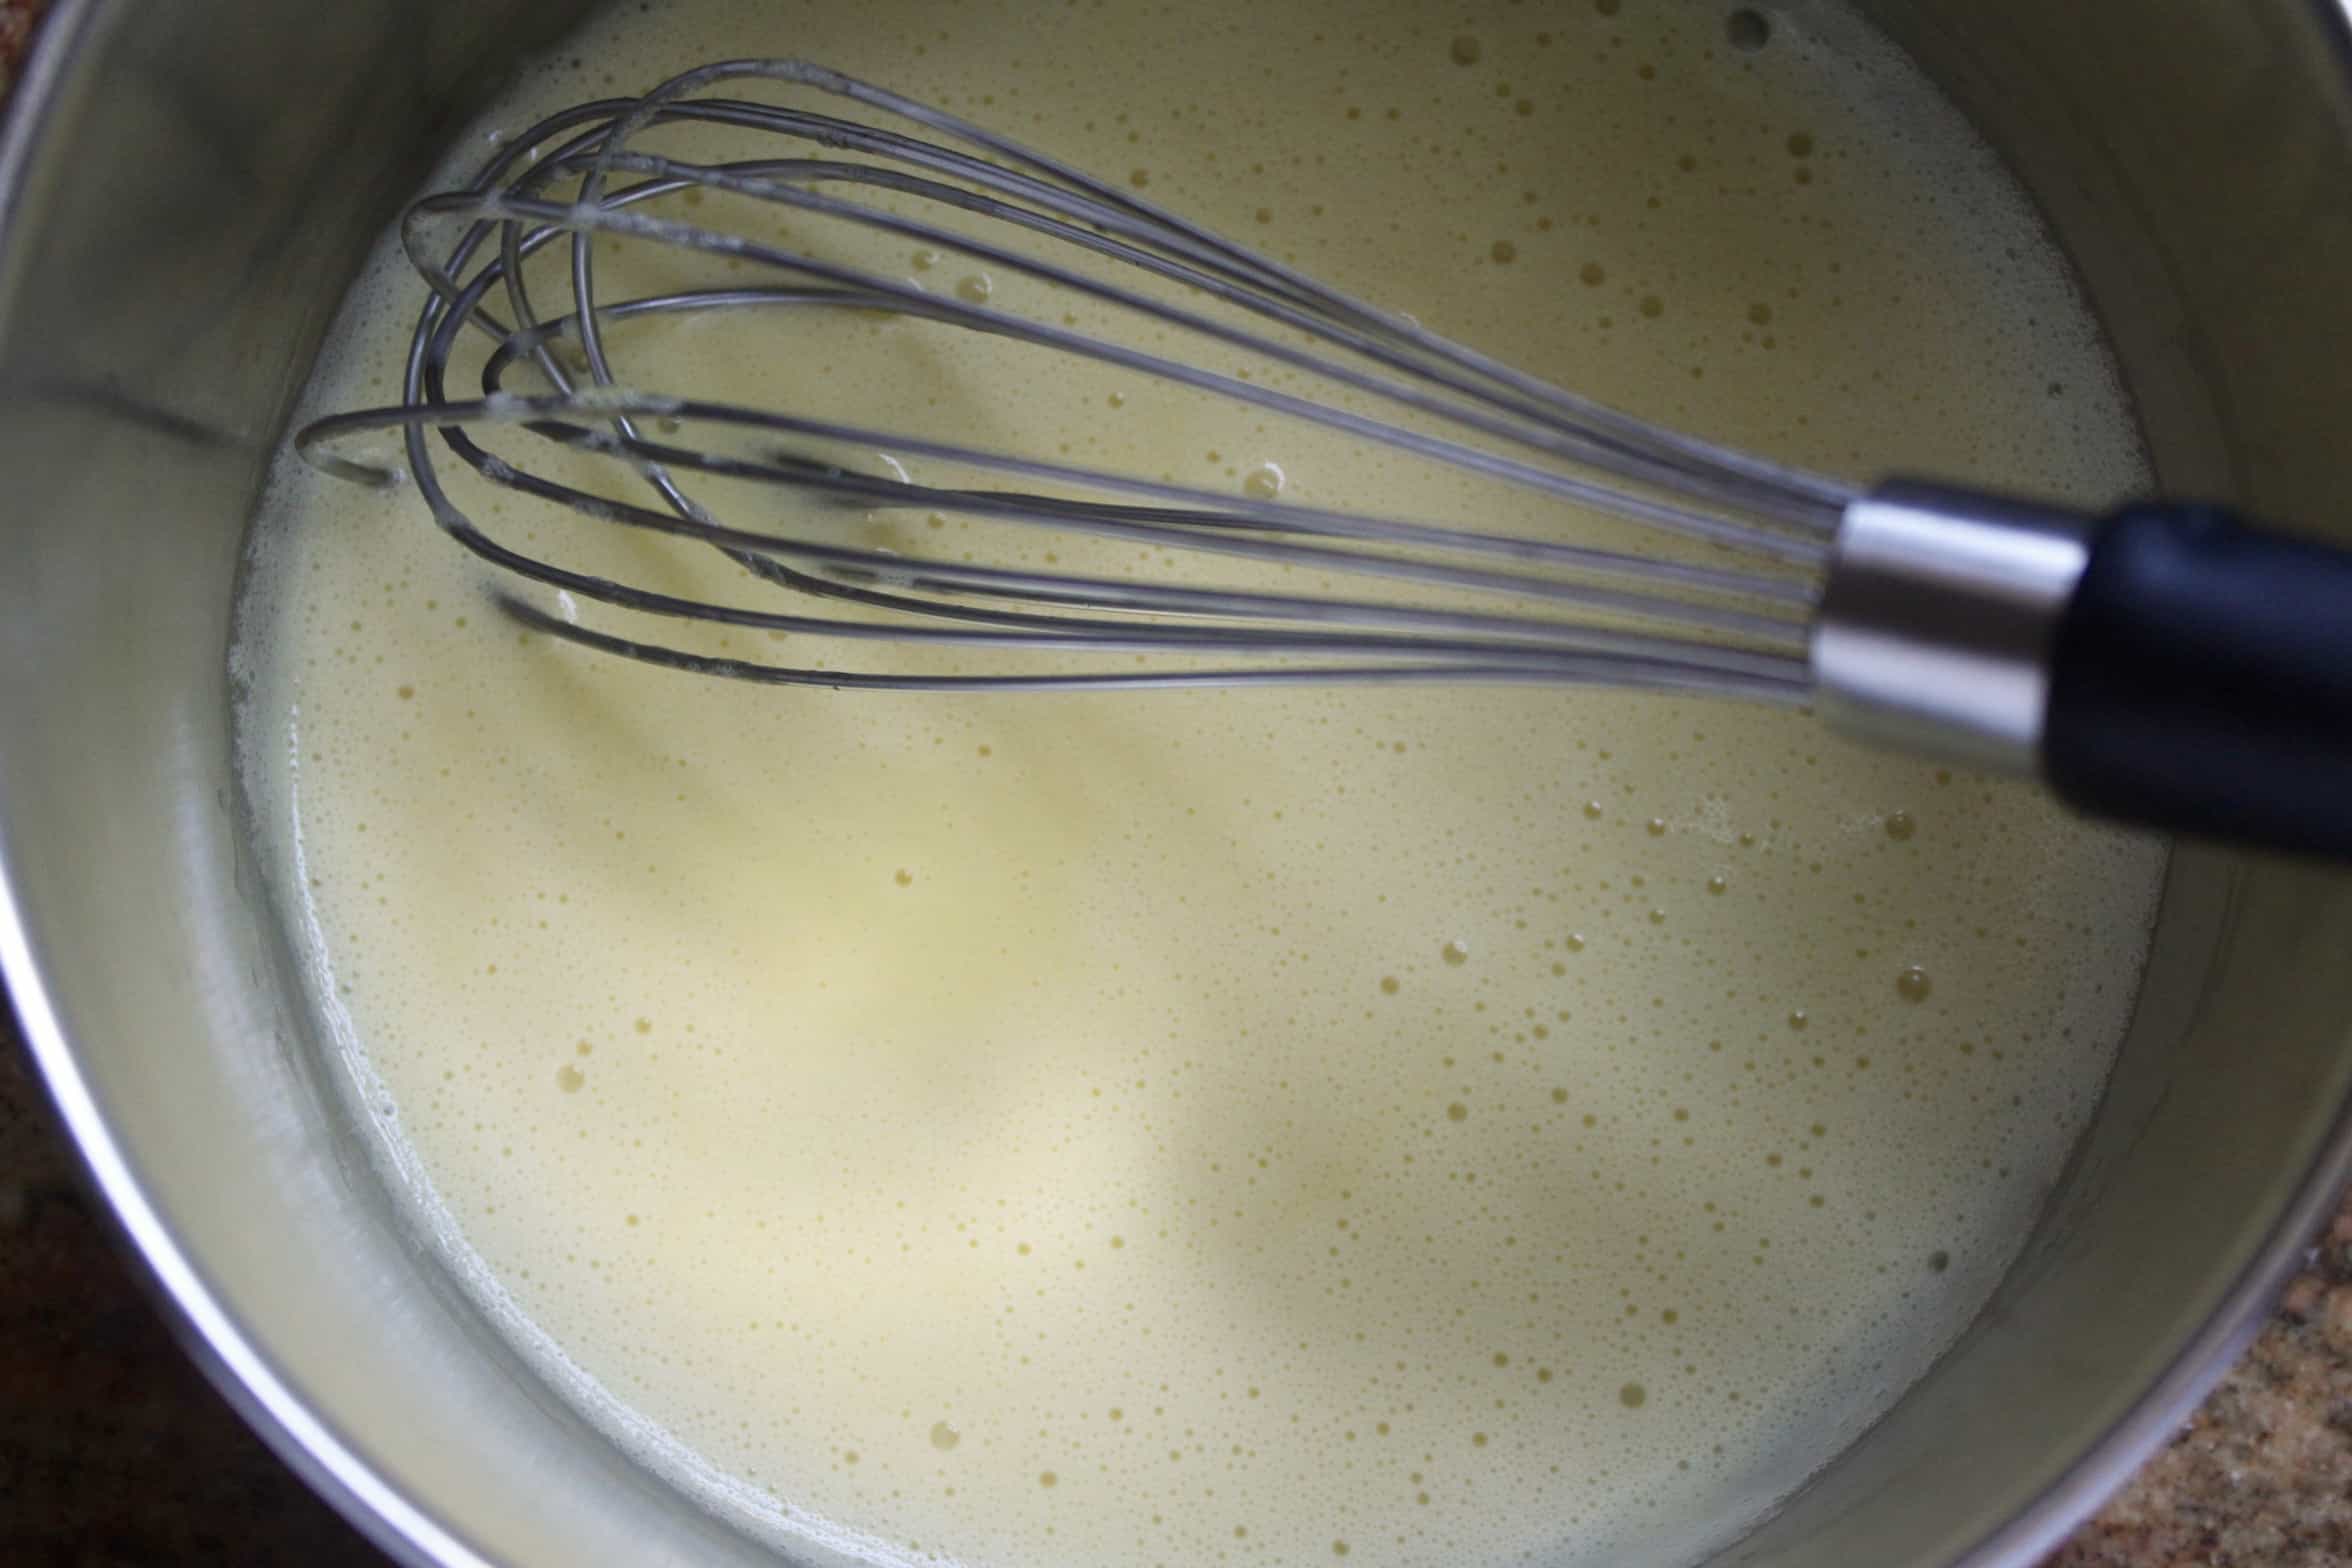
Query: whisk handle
x,y
2201,682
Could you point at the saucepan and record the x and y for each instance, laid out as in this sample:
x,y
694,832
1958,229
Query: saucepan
x,y
185,190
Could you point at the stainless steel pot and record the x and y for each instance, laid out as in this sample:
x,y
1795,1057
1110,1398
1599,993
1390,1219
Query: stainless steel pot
x,y
185,190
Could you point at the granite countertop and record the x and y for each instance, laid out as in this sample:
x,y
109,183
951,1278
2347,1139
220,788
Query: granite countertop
x,y
114,1451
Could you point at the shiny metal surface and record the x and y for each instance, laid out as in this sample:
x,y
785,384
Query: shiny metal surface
x,y
153,324
1732,629
1935,627
184,190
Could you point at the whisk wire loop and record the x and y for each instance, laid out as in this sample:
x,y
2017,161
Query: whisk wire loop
x,y
1576,612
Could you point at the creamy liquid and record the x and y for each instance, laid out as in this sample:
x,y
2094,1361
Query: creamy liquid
x,y
1417,1126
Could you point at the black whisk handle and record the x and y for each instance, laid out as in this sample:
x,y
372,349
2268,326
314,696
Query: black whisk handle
x,y
2201,682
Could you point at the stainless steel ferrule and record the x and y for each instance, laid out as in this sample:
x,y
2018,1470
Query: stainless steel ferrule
x,y
1938,619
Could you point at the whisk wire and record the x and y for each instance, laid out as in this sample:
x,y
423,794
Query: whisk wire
x,y
1749,623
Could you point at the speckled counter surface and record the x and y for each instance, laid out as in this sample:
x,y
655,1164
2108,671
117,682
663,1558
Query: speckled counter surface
x,y
16,25
2261,1477
113,1451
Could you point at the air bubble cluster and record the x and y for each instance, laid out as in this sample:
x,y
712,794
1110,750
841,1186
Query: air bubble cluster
x,y
1409,1125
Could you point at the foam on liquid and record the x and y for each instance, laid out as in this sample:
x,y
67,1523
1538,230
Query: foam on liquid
x,y
1249,1127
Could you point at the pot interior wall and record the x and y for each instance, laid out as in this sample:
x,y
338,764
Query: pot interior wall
x,y
2196,163
201,185
203,182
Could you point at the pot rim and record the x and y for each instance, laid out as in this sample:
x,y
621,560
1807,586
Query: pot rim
x,y
327,1458
338,1468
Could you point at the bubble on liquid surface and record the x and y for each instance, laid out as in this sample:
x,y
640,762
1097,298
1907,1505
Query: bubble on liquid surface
x,y
1080,1072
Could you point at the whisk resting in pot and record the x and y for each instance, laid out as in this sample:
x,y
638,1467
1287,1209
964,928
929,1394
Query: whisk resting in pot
x,y
2165,665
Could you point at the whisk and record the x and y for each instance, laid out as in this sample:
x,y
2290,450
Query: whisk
x,y
2165,665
